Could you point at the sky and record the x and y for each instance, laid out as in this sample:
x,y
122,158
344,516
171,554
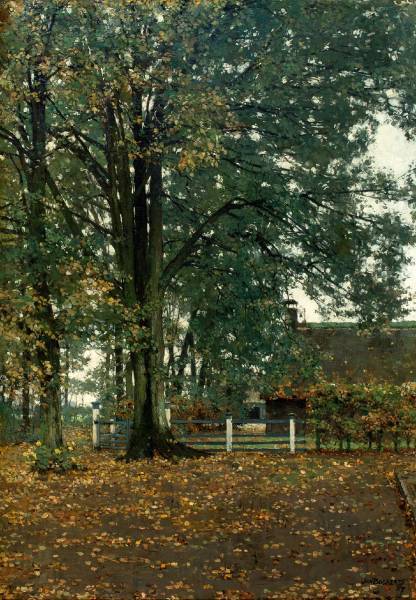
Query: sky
x,y
393,152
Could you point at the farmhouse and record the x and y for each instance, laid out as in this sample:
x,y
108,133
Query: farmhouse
x,y
348,355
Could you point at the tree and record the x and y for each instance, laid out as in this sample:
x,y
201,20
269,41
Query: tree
x,y
54,259
225,128
233,331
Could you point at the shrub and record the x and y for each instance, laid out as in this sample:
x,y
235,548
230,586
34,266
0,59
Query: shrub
x,y
44,459
190,408
359,412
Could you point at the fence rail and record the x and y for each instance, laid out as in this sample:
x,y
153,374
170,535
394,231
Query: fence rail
x,y
115,434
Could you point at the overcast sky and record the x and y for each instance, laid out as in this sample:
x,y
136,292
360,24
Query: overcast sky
x,y
391,151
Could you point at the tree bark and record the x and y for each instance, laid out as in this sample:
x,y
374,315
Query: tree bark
x,y
128,373
151,433
193,360
202,379
48,352
119,375
26,391
66,375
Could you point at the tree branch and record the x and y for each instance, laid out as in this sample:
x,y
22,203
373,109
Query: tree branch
x,y
174,266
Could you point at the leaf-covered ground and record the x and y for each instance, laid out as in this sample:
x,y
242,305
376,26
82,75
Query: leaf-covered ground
x,y
240,526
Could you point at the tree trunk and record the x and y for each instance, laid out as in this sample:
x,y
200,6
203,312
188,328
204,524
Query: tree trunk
x,y
187,355
50,401
48,352
66,375
119,373
26,392
128,373
136,216
151,433
170,370
202,379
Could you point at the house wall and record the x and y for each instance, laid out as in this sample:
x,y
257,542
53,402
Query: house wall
x,y
348,356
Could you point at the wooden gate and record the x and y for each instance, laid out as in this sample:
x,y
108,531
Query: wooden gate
x,y
113,434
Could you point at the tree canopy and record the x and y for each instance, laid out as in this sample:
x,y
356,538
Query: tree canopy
x,y
200,157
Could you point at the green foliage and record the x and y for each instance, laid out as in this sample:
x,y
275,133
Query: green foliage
x,y
258,125
42,458
77,416
10,424
363,413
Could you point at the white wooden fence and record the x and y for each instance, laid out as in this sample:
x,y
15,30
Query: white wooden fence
x,y
231,437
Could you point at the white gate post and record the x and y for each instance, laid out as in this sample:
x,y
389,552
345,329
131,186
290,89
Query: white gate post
x,y
167,412
95,424
229,432
292,432
112,432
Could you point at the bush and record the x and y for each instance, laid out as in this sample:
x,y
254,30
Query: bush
x,y
44,459
363,413
190,408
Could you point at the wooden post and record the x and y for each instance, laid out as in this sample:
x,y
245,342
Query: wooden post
x,y
229,432
262,411
112,432
292,433
167,412
95,425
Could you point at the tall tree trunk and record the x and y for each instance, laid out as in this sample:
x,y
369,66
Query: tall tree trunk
x,y
48,352
119,374
26,391
51,420
128,374
137,227
66,375
170,370
202,379
151,432
187,355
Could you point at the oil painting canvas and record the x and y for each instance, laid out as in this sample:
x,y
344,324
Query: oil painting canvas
x,y
207,299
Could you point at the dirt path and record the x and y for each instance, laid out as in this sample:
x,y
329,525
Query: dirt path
x,y
255,526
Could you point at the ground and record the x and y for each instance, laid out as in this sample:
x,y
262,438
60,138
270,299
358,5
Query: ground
x,y
238,526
